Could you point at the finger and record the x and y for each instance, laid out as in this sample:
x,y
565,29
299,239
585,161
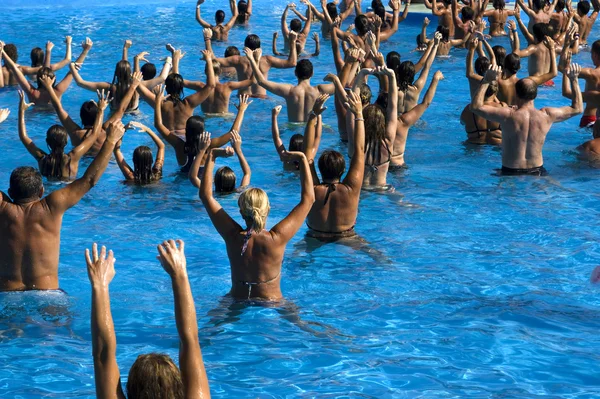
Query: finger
x,y
95,252
103,253
111,257
172,245
161,252
88,259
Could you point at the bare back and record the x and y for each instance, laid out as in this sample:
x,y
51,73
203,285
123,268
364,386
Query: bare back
x,y
523,137
335,208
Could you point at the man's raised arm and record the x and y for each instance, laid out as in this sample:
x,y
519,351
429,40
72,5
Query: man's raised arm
x,y
564,113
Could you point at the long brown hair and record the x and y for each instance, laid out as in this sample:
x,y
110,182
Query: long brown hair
x,y
53,163
154,376
375,125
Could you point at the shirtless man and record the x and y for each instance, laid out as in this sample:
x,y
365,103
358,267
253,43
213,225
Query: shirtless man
x,y
7,78
538,14
584,21
524,128
444,13
541,51
39,95
463,23
333,215
30,234
497,17
328,16
220,31
362,27
295,26
300,98
244,69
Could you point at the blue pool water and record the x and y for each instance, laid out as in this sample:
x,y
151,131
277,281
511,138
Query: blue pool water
x,y
473,286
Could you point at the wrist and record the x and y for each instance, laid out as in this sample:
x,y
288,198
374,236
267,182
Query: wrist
x,y
99,288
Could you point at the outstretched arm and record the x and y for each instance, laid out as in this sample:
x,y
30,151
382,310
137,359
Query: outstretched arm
x,y
275,62
528,36
235,13
193,373
279,89
194,171
284,28
411,117
122,163
84,84
64,117
236,143
395,4
564,113
175,142
27,142
201,95
491,113
354,177
126,47
199,18
21,79
78,152
279,146
420,83
101,270
68,55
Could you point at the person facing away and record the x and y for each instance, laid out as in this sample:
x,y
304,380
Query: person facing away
x,y
145,169
333,215
299,98
220,31
256,254
152,375
31,225
524,128
57,164
497,17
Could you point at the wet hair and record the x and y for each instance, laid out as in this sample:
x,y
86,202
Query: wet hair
x,y
560,5
304,69
11,51
216,68
406,75
362,25
51,165
482,64
194,127
499,4
500,54
332,10
88,113
219,16
445,31
37,57
382,100
25,183
491,90
174,87
540,31
143,163
231,50
392,61
380,12
254,208
43,72
583,7
122,81
596,48
467,14
375,125
148,71
538,4
242,11
512,63
154,376
296,25
331,165
376,3
365,94
224,180
526,89
252,42
296,143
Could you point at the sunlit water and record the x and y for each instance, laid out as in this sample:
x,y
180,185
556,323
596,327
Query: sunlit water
x,y
471,285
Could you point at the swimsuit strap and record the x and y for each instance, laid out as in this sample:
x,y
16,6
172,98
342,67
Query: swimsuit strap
x,y
246,239
330,189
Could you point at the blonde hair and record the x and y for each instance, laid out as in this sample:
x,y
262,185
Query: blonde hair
x,y
254,207
154,376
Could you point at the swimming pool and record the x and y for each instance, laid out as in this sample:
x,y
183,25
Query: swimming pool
x,y
473,285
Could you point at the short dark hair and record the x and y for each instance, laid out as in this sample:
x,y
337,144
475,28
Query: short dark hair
x,y
148,71
304,69
296,25
296,142
596,47
88,113
361,24
526,89
25,182
219,16
224,180
540,31
44,72
499,4
11,51
512,63
583,7
37,57
252,42
500,54
231,50
467,13
482,64
331,165
538,4
560,5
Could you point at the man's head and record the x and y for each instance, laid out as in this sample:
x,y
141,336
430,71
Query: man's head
x,y
331,165
361,24
252,42
231,51
88,112
499,53
11,51
296,25
482,64
499,4
538,5
595,53
219,16
304,70
512,64
467,14
43,73
148,71
26,184
540,31
583,7
526,90
560,5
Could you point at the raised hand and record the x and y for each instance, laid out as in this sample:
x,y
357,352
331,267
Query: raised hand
x,y
492,74
22,104
206,54
208,33
222,152
236,140
244,102
127,44
47,82
49,45
319,107
473,44
377,22
142,56
87,44
379,59
137,78
329,78
512,25
573,72
4,114
353,103
172,258
204,141
68,40
426,21
249,53
170,47
276,110
103,99
133,125
101,269
437,38
159,91
115,131
438,75
549,43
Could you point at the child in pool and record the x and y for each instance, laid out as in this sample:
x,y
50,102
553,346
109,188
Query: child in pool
x,y
224,176
144,171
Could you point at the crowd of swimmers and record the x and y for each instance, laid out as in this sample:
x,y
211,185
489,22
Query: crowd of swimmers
x,y
501,113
